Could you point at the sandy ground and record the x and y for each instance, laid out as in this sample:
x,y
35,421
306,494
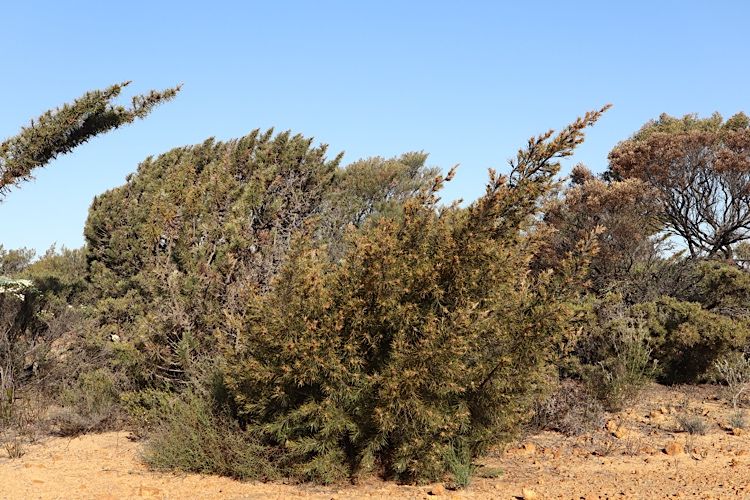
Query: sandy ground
x,y
627,459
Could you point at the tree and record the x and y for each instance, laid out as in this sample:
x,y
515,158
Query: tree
x,y
700,169
60,130
623,213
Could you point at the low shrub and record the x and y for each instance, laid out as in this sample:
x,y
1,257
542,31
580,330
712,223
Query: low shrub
x,y
90,405
687,339
617,379
571,409
737,420
692,424
612,355
733,370
188,434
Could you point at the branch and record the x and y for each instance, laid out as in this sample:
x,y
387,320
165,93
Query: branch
x,y
61,130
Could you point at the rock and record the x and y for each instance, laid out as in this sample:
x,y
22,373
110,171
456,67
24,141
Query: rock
x,y
437,490
529,494
674,448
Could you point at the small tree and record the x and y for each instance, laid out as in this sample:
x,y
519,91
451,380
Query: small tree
x,y
701,171
623,213
60,130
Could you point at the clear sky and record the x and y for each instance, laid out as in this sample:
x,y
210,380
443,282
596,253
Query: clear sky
x,y
466,81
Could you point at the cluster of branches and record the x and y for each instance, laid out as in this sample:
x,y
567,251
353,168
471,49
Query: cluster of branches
x,y
61,130
700,171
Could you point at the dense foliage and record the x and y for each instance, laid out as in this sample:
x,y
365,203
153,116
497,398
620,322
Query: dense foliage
x,y
176,254
425,343
262,312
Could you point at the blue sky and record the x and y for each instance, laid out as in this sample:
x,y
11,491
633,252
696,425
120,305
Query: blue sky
x,y
467,82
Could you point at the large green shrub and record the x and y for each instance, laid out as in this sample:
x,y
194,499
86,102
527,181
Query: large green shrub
x,y
175,253
425,343
180,244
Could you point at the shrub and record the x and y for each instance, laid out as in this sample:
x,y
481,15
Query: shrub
x,y
19,327
721,288
426,342
91,404
737,420
613,354
570,409
733,370
191,436
175,253
686,339
459,464
14,449
692,424
618,378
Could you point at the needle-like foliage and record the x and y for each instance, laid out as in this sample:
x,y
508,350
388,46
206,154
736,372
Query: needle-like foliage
x,y
61,130
423,344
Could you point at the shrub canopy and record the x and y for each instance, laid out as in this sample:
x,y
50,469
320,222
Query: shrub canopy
x,y
420,347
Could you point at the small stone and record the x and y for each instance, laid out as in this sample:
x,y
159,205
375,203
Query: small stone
x,y
529,494
149,492
620,433
437,490
674,448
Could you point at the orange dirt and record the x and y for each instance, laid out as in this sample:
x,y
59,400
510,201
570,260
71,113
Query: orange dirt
x,y
627,459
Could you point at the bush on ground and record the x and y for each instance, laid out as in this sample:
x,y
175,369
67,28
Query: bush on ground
x,y
427,341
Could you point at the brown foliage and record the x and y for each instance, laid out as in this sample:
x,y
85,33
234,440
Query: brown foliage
x,y
701,170
622,213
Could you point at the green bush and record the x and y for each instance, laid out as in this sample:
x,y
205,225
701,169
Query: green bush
x,y
190,435
686,339
721,288
618,378
91,404
424,344
612,354
175,253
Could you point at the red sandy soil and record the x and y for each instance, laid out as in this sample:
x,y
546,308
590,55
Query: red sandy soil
x,y
627,459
